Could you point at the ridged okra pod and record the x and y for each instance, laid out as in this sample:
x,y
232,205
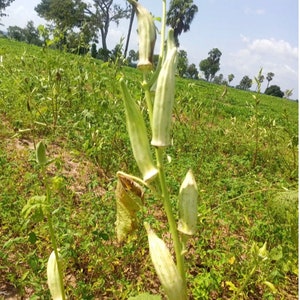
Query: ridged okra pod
x,y
188,205
53,278
147,36
165,267
164,97
138,136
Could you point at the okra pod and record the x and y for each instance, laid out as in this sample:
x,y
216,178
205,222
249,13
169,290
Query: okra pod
x,y
53,278
147,36
138,136
165,267
164,99
188,205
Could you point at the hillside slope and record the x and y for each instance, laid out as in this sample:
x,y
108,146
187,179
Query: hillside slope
x,y
243,151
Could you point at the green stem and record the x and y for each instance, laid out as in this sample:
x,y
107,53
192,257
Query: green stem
x,y
148,99
53,239
242,287
170,216
54,245
163,28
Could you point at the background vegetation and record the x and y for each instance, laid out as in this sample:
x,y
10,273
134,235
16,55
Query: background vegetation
x,y
242,147
80,27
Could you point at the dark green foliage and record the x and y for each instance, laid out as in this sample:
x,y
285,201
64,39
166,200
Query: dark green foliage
x,y
274,90
3,5
65,14
29,34
192,71
211,65
182,63
94,50
180,16
245,83
269,77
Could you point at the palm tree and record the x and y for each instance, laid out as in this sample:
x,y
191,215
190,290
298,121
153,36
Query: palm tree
x,y
269,77
180,16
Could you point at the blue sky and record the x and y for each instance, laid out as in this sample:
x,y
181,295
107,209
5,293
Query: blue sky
x,y
250,34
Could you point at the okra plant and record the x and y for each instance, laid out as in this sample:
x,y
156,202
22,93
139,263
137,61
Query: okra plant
x,y
130,189
41,205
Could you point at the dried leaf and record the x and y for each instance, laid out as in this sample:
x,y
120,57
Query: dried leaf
x,y
129,195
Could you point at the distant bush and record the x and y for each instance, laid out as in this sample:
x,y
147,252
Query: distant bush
x,y
274,90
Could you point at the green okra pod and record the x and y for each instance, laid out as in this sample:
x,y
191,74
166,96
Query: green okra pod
x,y
165,267
188,205
138,136
147,36
164,98
53,278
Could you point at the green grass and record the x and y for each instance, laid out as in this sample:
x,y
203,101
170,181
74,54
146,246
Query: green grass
x,y
244,157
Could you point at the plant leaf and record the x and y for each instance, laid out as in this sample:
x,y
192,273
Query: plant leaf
x,y
129,196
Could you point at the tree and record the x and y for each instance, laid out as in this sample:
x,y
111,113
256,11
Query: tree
x,y
211,65
29,34
182,63
105,13
245,83
94,50
274,90
32,35
269,77
67,15
218,79
180,16
192,71
16,33
133,57
230,78
3,5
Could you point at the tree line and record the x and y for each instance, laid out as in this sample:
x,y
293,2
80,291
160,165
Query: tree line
x,y
78,27
210,67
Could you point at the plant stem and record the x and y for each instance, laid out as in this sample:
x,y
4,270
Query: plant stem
x,y
54,245
170,216
245,282
52,237
163,28
148,99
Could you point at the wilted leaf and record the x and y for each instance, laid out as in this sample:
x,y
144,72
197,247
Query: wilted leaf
x,y
129,196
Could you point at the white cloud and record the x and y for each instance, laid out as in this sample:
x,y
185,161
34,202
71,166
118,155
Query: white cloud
x,y
273,47
249,11
244,38
277,56
19,15
260,12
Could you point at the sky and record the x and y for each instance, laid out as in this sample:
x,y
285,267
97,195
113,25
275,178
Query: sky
x,y
251,34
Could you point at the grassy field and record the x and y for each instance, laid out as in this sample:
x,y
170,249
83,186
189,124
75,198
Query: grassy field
x,y
243,152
